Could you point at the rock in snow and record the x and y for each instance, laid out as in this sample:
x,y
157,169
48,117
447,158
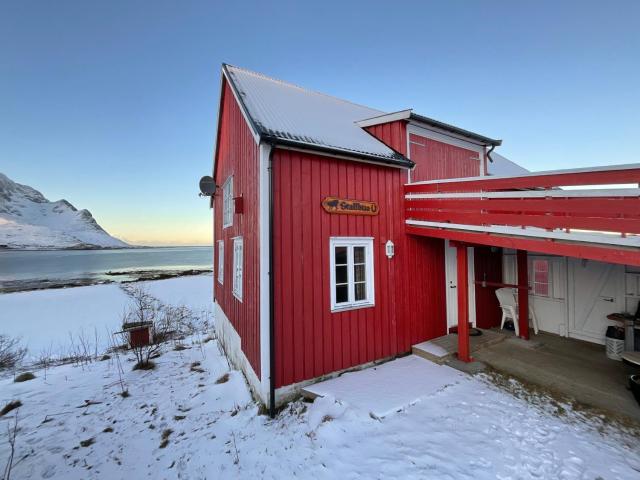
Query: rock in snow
x,y
28,220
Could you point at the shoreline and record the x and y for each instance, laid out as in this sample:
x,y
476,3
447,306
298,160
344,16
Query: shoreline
x,y
135,276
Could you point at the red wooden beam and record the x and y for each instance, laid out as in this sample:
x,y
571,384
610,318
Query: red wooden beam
x,y
463,304
480,217
613,254
613,175
523,293
606,207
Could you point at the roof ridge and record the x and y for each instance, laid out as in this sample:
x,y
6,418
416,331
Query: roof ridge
x,y
307,90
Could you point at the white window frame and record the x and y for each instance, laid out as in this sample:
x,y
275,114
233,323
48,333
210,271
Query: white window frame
x,y
227,202
221,262
238,267
533,284
350,242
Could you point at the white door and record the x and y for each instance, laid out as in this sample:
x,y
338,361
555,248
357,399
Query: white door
x,y
596,290
451,279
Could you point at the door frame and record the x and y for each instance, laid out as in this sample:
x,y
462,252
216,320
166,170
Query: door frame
x,y
451,273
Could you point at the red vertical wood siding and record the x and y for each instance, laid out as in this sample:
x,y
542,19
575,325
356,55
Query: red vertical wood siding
x,y
435,160
238,155
409,289
488,267
392,134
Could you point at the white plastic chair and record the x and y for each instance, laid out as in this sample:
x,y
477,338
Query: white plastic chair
x,y
509,307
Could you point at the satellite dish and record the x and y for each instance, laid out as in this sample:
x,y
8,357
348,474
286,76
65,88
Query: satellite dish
x,y
207,186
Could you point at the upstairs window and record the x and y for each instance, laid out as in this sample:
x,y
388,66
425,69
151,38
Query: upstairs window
x,y
221,261
237,267
351,272
227,203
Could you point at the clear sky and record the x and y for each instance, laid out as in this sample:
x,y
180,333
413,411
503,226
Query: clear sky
x,y
112,105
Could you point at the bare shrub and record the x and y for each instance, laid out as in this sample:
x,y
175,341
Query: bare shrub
x,y
11,352
12,432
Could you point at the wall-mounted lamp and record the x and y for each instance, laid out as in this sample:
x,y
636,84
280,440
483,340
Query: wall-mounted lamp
x,y
390,249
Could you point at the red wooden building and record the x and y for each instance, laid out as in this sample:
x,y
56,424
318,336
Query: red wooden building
x,y
345,235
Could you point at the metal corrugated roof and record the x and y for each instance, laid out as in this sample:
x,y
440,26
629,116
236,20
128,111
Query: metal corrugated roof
x,y
294,116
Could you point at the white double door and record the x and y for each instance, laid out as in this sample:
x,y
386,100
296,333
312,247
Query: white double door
x,y
596,289
451,279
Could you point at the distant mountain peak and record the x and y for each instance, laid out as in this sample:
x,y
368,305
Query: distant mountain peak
x,y
29,221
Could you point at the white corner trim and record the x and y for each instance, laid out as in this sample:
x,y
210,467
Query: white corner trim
x,y
264,182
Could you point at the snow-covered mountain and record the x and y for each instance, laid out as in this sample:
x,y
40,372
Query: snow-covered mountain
x,y
28,220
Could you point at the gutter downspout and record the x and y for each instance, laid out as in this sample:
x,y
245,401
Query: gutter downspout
x,y
272,344
493,147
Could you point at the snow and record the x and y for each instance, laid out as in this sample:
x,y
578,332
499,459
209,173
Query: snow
x,y
449,425
294,113
45,318
390,387
29,220
432,348
468,429
504,167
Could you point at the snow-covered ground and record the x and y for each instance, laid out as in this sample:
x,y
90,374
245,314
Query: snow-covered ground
x,y
460,427
468,430
44,319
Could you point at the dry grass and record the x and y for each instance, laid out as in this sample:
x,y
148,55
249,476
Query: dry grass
x,y
88,442
12,405
165,437
24,377
223,379
144,366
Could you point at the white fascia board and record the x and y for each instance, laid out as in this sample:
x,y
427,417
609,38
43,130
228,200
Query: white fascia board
x,y
595,192
386,118
601,238
605,168
254,133
433,133
264,241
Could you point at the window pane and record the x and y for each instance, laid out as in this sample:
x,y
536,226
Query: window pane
x,y
341,255
541,265
359,271
342,293
358,254
541,289
541,277
361,291
341,274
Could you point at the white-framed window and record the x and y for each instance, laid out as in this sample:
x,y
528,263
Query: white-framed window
x,y
220,262
351,272
238,255
541,278
227,203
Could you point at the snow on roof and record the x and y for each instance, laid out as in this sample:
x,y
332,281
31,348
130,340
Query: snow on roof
x,y
504,167
293,115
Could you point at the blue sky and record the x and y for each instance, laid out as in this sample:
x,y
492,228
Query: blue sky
x,y
112,105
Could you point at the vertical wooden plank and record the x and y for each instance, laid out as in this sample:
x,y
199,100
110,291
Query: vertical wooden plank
x,y
463,303
523,293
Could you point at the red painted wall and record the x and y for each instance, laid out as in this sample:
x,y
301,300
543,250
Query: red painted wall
x,y
238,155
435,160
409,289
392,134
488,267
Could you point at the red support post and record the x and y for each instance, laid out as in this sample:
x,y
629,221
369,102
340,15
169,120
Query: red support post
x,y
463,304
523,293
